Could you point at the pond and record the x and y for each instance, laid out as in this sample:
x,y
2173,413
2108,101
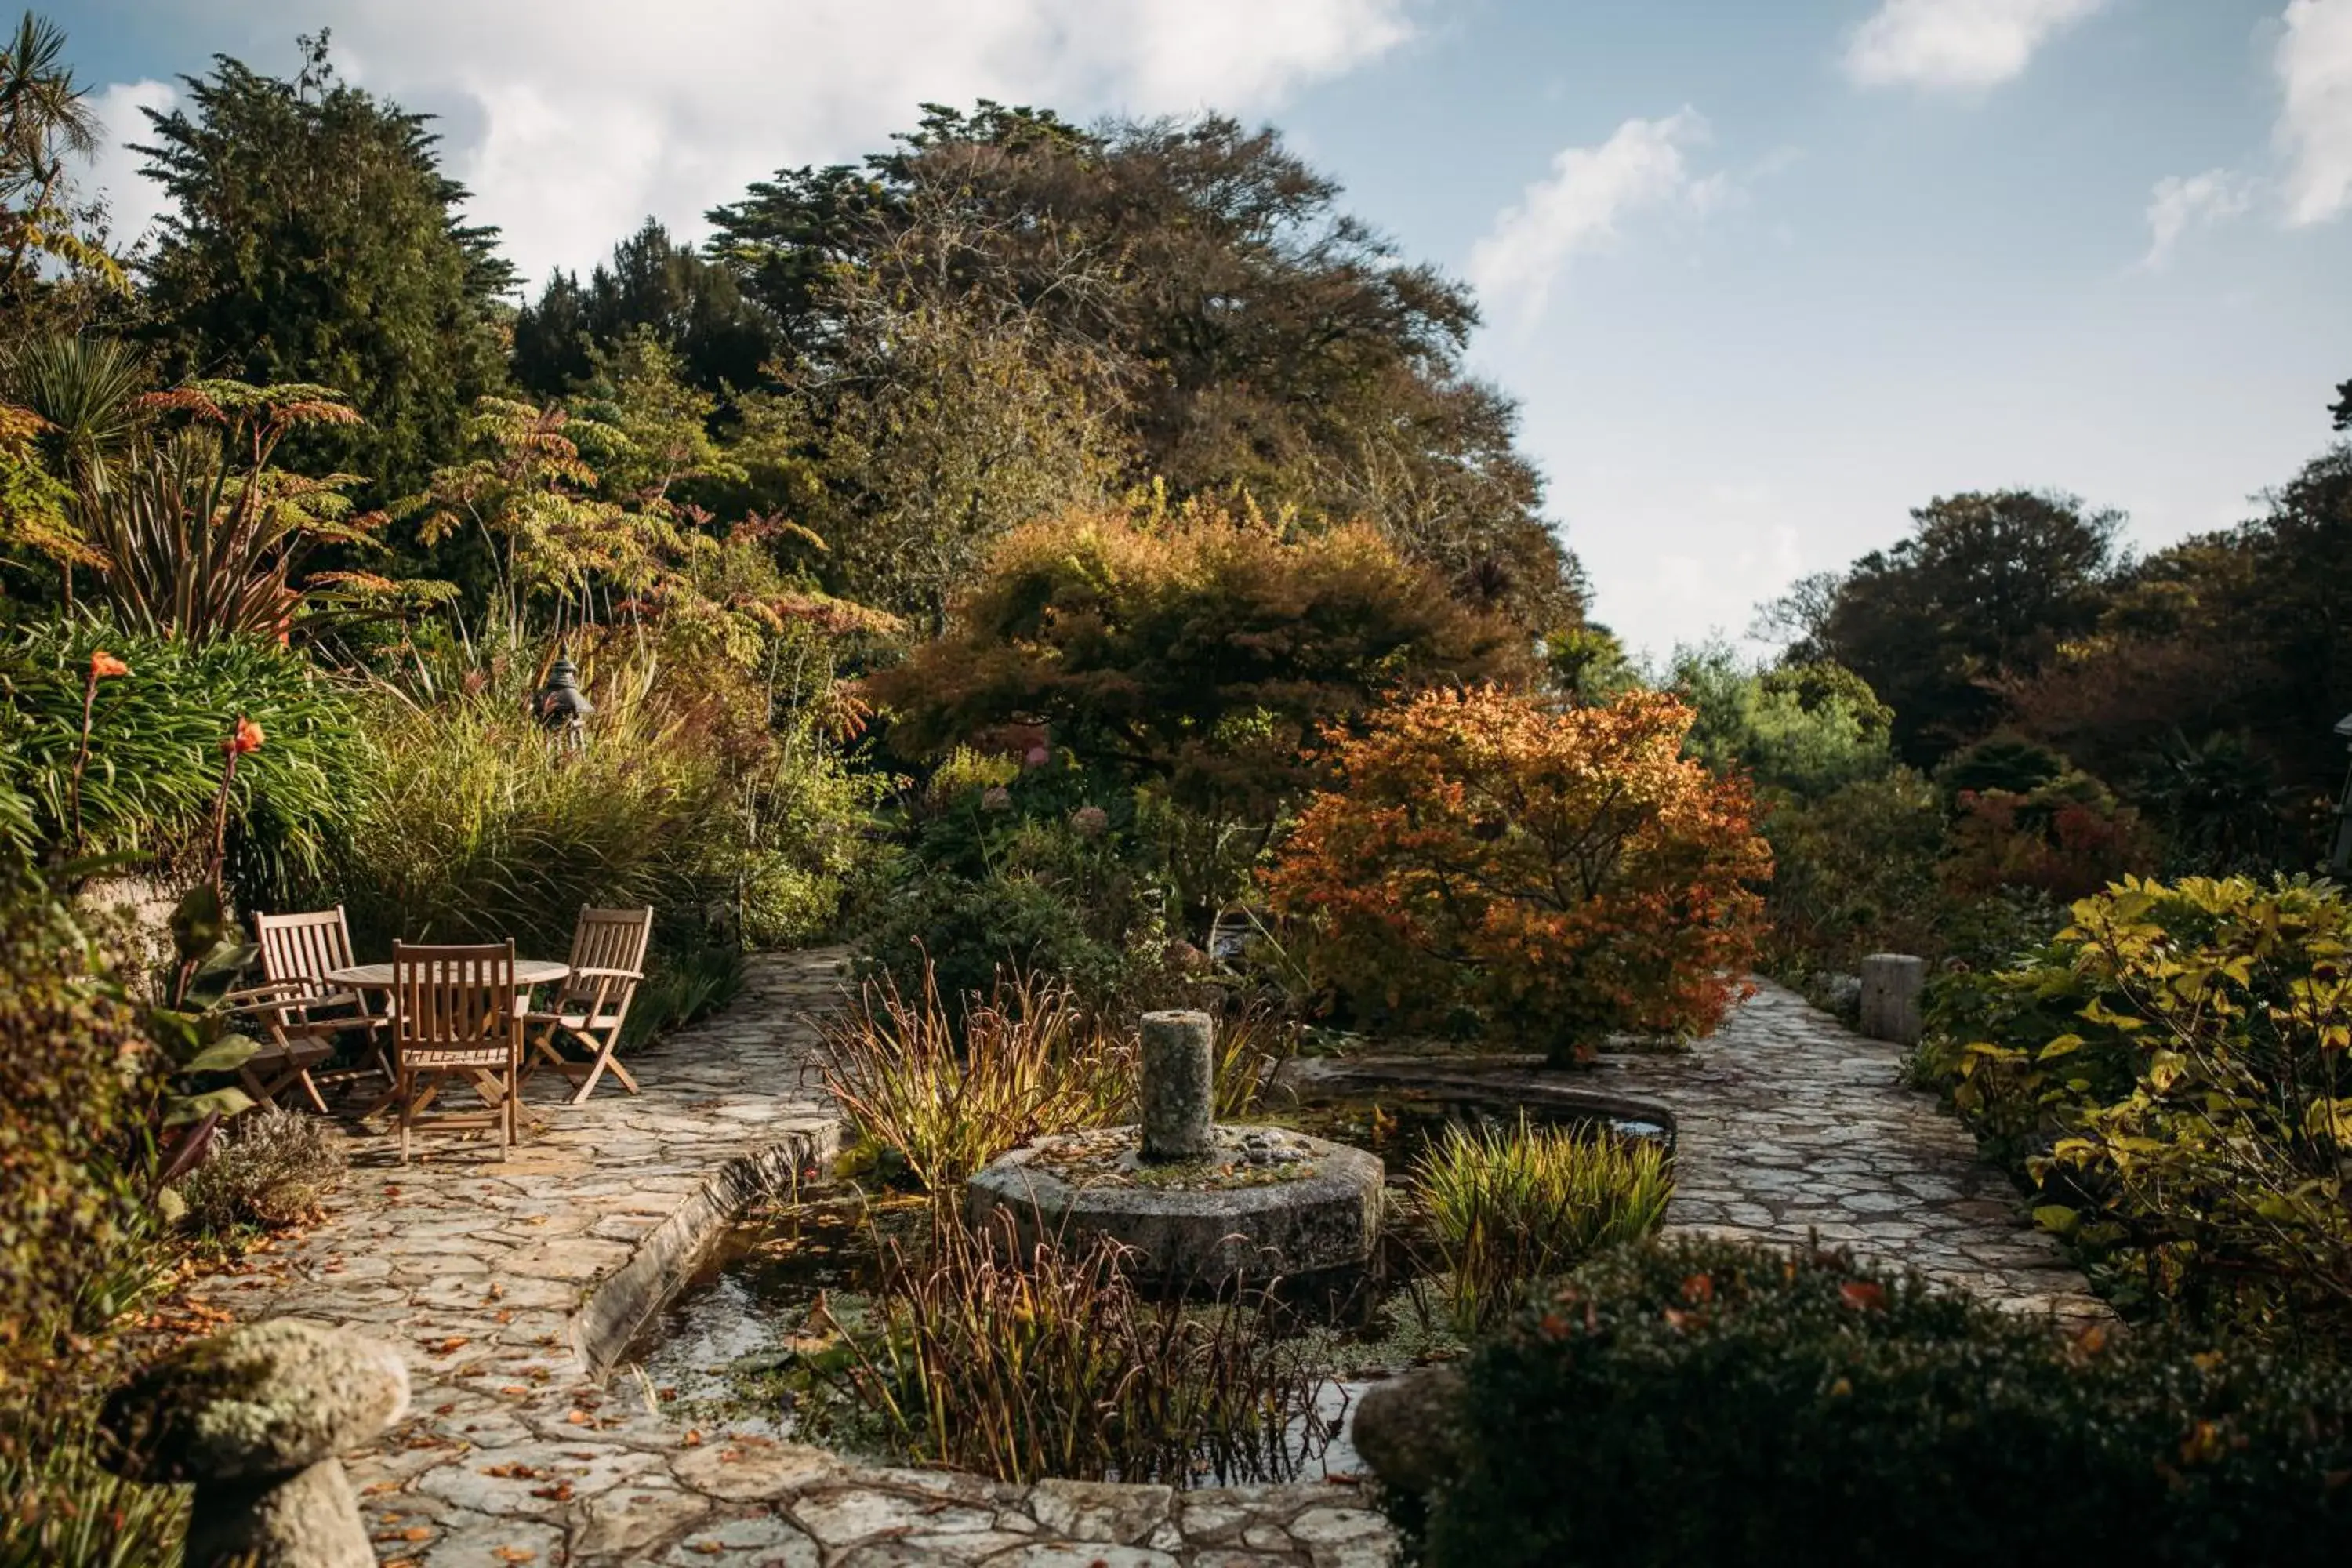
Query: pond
x,y
753,1343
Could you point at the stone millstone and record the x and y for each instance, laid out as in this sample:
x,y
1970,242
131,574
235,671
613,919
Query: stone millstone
x,y
257,1403
1322,1209
1180,1085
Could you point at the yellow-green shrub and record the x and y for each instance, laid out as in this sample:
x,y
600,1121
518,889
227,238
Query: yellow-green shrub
x,y
2171,1072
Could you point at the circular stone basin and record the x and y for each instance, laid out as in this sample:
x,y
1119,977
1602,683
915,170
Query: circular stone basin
x,y
1264,1202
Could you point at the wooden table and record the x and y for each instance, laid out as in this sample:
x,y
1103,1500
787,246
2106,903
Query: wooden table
x,y
528,972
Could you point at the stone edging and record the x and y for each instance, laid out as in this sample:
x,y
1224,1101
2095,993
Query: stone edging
x,y
624,1301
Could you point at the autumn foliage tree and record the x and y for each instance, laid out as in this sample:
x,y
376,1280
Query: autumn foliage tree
x,y
1559,874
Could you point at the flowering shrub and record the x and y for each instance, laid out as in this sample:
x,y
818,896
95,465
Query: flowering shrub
x,y
1559,874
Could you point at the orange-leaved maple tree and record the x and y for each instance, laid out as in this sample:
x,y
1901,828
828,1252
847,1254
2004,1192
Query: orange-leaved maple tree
x,y
1559,874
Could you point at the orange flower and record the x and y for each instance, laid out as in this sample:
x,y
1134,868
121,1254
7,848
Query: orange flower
x,y
104,664
246,737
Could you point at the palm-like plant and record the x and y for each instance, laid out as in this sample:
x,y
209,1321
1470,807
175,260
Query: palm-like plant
x,y
45,123
200,536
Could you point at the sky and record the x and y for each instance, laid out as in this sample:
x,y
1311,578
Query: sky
x,y
1764,275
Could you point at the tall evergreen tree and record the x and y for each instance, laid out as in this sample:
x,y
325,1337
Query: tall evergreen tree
x,y
690,306
315,238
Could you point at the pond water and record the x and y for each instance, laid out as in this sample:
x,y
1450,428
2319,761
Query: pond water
x,y
750,1343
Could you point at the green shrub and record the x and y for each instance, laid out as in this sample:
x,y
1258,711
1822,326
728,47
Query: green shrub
x,y
271,1168
1704,1401
2170,1072
1511,1206
1854,871
154,763
77,1073
1032,876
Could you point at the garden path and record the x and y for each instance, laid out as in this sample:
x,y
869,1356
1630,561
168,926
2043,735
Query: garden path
x,y
506,1282
1787,1124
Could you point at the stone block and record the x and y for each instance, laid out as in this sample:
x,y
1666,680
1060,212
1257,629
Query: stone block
x,y
1893,985
1180,1084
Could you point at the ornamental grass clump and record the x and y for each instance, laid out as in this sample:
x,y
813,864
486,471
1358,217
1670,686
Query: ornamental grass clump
x,y
1028,1060
1512,1205
1024,1365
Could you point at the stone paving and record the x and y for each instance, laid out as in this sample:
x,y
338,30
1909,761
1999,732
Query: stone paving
x,y
1787,1124
511,1284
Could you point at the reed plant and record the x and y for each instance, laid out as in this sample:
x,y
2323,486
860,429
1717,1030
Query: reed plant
x,y
1026,1059
1051,1362
1509,1206
61,1508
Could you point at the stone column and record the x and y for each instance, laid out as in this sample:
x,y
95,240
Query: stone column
x,y
1893,985
255,1419
1180,1084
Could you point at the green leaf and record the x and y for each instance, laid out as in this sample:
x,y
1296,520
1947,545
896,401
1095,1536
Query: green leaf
x,y
229,1102
225,1055
2057,1219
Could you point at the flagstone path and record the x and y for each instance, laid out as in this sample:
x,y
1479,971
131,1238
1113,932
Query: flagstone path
x,y
512,1285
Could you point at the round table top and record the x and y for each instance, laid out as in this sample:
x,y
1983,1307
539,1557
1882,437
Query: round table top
x,y
528,972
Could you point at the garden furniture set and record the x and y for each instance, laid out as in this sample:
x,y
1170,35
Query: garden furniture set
x,y
440,1015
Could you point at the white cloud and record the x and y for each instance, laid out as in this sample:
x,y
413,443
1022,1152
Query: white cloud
x,y
2315,125
1641,167
572,121
2178,204
133,201
1956,44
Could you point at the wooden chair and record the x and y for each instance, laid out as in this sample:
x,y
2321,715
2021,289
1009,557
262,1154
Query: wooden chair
x,y
297,953
454,1015
286,1057
608,961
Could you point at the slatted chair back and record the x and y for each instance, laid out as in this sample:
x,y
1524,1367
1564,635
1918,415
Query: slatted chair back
x,y
608,962
608,942
304,948
454,1008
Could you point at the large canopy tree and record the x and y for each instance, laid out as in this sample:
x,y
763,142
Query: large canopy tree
x,y
314,237
1250,334
1986,589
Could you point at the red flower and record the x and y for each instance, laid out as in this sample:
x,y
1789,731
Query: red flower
x,y
246,737
104,664
1863,1295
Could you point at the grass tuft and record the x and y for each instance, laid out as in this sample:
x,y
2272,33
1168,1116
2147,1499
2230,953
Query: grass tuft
x,y
1511,1206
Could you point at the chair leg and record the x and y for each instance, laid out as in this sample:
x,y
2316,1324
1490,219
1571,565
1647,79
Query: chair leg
x,y
401,1090
310,1089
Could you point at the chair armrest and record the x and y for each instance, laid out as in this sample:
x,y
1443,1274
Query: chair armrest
x,y
280,996
594,974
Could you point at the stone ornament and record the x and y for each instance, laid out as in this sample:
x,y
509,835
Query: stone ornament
x,y
1180,1085
255,1419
